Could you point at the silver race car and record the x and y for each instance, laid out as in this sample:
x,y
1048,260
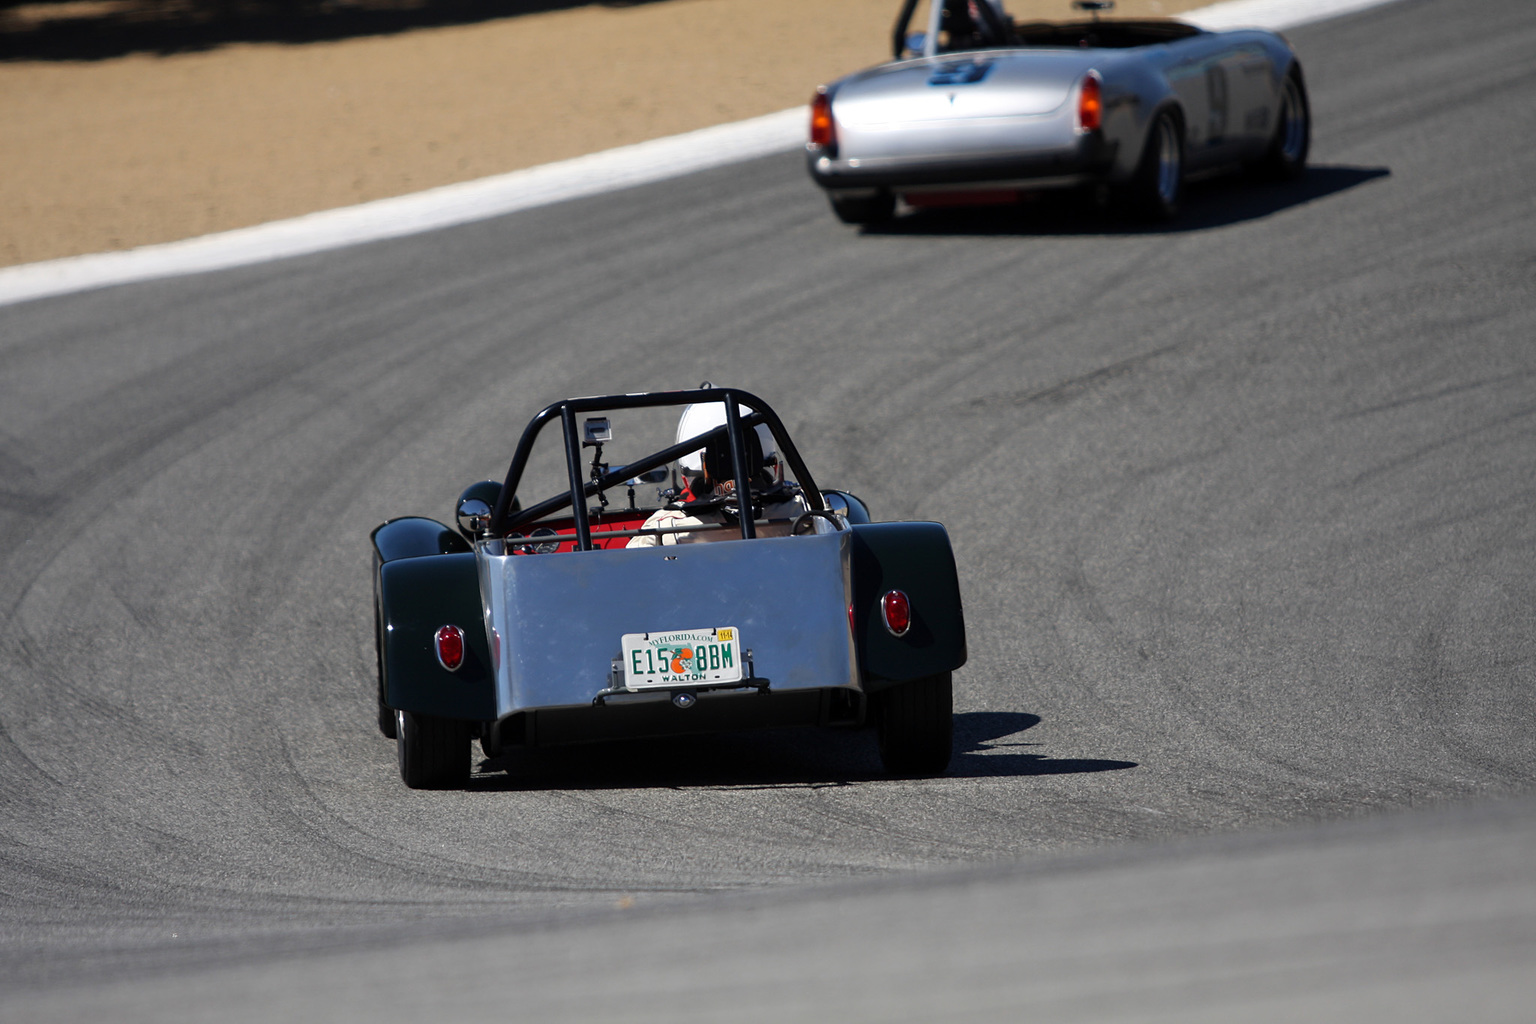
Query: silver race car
x,y
979,108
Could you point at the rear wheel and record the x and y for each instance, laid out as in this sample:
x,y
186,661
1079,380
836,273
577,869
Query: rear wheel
x,y
914,723
1286,159
875,209
433,752
1154,191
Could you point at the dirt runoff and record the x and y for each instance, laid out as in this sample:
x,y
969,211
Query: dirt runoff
x,y
120,151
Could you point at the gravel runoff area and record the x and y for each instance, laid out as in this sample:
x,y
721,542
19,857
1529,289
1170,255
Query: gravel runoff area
x,y
131,122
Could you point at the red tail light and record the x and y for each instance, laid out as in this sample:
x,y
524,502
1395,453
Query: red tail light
x,y
449,641
823,130
1090,105
896,610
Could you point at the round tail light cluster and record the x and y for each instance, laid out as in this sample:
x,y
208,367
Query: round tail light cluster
x,y
896,611
448,641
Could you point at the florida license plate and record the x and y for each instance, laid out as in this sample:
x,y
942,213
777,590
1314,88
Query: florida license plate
x,y
683,658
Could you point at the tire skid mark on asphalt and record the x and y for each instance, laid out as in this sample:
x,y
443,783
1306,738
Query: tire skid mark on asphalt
x,y
409,863
1438,393
1504,419
1075,387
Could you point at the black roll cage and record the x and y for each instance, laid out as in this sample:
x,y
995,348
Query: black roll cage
x,y
504,520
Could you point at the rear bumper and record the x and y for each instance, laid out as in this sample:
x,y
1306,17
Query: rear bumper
x,y
1091,159
654,714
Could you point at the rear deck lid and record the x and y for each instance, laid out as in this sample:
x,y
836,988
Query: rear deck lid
x,y
980,85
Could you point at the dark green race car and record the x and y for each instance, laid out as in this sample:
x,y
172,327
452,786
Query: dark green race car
x,y
592,615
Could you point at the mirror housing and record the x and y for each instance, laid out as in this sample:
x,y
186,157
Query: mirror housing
x,y
473,511
473,515
848,506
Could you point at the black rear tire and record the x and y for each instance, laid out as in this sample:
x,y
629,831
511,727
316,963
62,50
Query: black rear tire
x,y
1286,159
433,752
1154,191
875,209
914,723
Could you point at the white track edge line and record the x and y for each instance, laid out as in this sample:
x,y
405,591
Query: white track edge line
x,y
449,205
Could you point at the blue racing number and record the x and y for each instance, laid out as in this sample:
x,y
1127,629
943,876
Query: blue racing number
x,y
964,72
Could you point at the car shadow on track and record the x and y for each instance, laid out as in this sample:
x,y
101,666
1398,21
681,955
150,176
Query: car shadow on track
x,y
1209,204
984,744
774,759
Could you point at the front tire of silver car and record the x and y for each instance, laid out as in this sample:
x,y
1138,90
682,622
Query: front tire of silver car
x,y
1154,191
914,724
875,209
433,752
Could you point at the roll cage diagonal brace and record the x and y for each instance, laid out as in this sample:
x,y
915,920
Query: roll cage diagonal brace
x,y
899,33
504,520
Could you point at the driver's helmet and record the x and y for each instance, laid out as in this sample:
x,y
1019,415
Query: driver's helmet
x,y
969,26
715,461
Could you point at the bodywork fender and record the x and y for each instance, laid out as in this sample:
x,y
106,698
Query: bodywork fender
x,y
915,558
425,577
1134,95
414,536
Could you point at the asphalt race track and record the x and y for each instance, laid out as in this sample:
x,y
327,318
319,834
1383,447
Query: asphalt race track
x,y
1244,516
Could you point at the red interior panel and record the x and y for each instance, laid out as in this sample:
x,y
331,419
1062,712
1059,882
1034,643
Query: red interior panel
x,y
566,527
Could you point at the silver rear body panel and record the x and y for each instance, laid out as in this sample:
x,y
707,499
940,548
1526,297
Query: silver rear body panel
x,y
558,618
894,116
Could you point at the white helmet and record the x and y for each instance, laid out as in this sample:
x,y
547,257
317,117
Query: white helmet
x,y
704,416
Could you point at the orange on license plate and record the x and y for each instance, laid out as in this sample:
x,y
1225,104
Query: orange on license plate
x,y
687,657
